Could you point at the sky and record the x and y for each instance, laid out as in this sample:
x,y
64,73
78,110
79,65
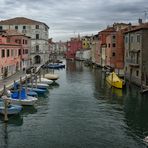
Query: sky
x,y
68,18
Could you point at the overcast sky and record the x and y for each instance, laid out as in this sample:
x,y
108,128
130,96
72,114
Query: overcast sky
x,y
67,18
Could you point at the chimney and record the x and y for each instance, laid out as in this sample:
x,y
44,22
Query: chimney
x,y
129,26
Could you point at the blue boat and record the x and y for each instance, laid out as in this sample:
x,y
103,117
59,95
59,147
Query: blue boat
x,y
37,90
32,93
56,66
11,109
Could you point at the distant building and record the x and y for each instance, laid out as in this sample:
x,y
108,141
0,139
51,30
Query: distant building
x,y
38,31
136,54
94,49
73,45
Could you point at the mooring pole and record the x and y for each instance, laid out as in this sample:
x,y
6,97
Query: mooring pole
x,y
5,98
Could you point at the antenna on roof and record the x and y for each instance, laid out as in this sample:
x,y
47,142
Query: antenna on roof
x,y
145,15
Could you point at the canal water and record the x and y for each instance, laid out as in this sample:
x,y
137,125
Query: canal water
x,y
80,111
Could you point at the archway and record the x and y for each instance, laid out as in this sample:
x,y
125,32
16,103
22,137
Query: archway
x,y
37,59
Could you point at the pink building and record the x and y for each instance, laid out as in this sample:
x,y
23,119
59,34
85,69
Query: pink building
x,y
73,46
14,52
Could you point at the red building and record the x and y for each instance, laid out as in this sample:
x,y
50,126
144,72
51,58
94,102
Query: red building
x,y
73,45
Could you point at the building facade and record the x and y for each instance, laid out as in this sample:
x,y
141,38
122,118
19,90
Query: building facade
x,y
136,55
14,52
38,31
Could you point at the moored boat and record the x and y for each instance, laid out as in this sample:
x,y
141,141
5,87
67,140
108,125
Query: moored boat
x,y
38,85
56,66
114,80
52,76
44,81
11,109
21,98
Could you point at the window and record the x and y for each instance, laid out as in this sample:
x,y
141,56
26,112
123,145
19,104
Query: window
x,y
126,39
12,52
37,48
137,73
24,27
25,41
113,45
113,54
16,27
8,53
132,39
37,26
109,45
114,36
37,36
138,38
19,52
3,53
26,51
1,27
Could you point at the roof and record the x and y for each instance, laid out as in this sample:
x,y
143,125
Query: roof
x,y
136,28
108,29
20,20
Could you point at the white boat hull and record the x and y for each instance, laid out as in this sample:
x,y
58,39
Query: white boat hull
x,y
29,101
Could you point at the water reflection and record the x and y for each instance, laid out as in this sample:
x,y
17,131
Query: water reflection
x,y
28,110
16,120
136,111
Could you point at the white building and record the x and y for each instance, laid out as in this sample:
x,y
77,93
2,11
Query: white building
x,y
38,31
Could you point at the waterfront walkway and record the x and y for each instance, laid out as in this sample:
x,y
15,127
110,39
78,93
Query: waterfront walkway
x,y
9,80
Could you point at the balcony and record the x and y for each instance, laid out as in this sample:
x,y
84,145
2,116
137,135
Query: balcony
x,y
133,62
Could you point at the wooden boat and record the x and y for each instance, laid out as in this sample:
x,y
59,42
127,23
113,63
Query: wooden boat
x,y
114,80
21,98
11,109
53,77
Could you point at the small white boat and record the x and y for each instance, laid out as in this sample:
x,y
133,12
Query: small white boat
x,y
11,109
22,98
52,76
38,85
28,101
44,81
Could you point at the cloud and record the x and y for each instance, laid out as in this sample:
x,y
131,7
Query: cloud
x,y
65,17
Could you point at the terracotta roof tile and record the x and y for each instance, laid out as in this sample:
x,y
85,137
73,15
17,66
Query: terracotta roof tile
x,y
21,21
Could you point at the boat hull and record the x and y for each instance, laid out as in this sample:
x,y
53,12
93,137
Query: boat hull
x,y
12,109
29,101
114,80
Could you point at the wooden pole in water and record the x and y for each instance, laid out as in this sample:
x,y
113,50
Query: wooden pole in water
x,y
36,80
31,81
26,83
5,98
20,88
40,75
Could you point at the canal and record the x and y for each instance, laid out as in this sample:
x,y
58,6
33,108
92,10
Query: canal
x,y
80,111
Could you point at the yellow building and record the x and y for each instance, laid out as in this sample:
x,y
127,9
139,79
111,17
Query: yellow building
x,y
86,40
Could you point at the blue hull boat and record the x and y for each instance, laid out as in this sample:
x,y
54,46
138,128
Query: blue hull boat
x,y
11,109
56,66
37,90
